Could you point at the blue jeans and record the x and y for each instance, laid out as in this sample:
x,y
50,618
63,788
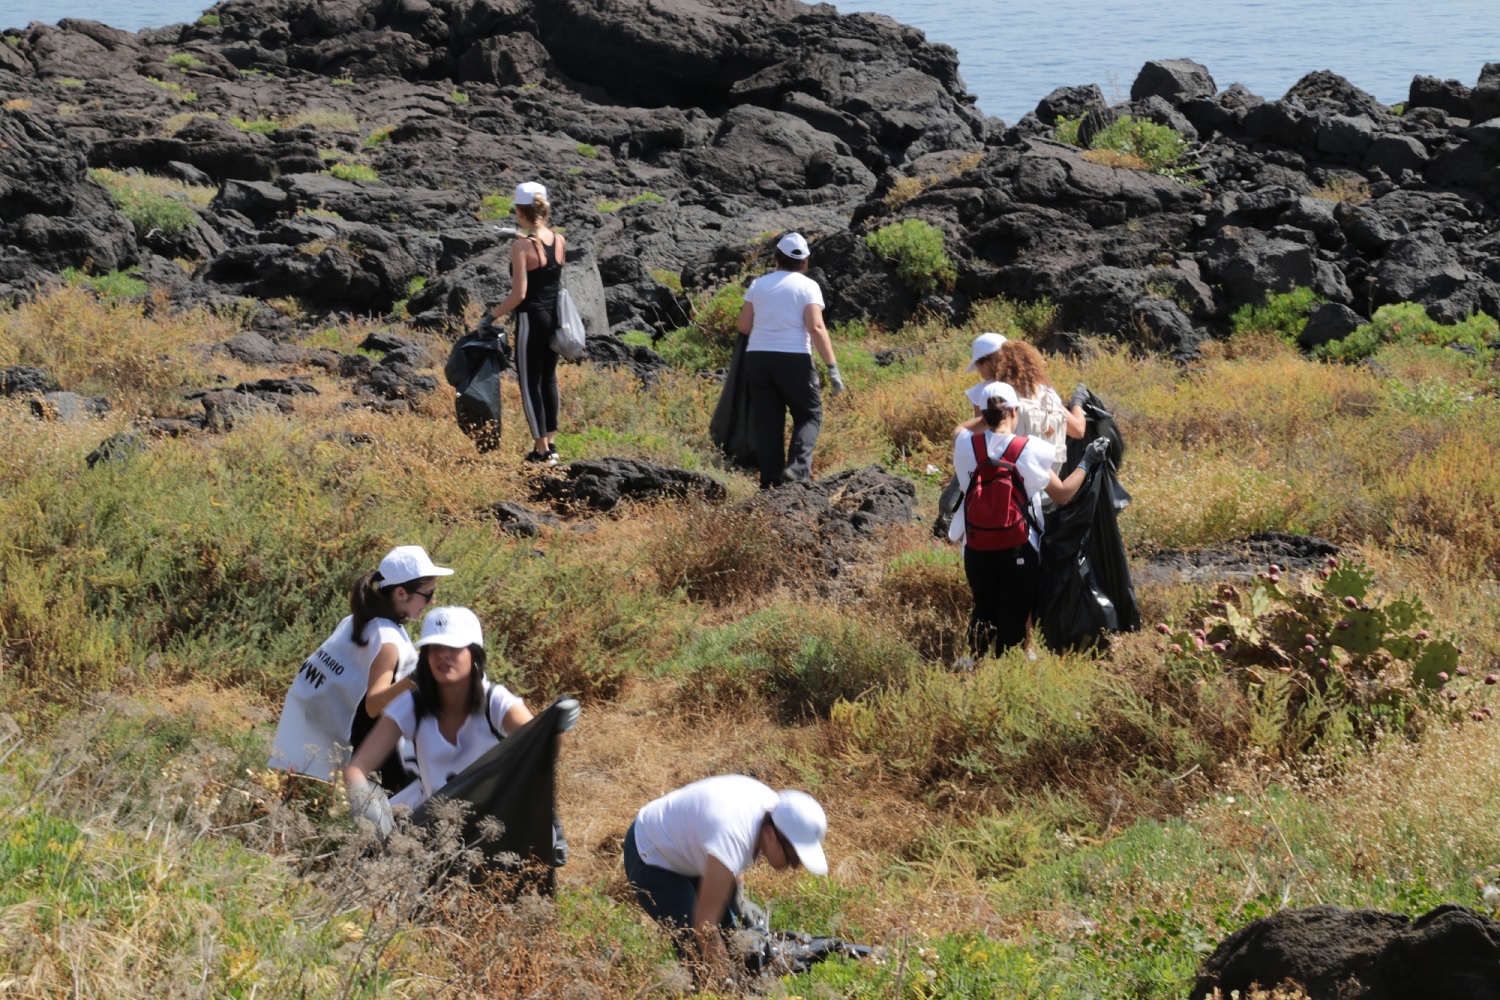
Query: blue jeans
x,y
667,897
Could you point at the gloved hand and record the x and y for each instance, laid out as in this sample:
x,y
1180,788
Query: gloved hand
x,y
835,380
1079,397
1095,454
567,714
368,801
487,324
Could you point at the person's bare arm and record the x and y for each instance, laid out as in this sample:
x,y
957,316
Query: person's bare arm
x,y
517,280
382,687
1063,490
715,890
812,320
371,753
745,321
515,717
1077,423
973,425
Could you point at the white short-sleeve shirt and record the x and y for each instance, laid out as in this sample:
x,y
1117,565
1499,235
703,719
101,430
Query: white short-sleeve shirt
x,y
1034,464
716,817
780,300
438,761
312,737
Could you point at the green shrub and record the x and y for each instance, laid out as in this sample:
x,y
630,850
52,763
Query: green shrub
x,y
647,198
587,151
607,206
342,81
183,61
1159,147
714,317
145,209
175,89
114,285
667,278
70,82
379,136
1284,314
1065,129
353,172
915,248
262,126
210,20
802,659
495,206
687,349
458,97
1408,323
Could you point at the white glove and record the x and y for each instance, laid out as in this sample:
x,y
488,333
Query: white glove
x,y
567,714
835,380
367,801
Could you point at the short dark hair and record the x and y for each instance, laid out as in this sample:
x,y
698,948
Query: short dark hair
x,y
789,263
426,694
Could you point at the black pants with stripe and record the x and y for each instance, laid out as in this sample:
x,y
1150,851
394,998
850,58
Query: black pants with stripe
x,y
536,370
1005,585
780,381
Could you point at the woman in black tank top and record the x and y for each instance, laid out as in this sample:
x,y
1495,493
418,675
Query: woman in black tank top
x,y
536,275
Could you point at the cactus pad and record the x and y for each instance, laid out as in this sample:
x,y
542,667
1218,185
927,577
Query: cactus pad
x,y
1364,634
1348,581
1437,656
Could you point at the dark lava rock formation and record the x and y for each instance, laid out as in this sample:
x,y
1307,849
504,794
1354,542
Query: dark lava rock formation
x,y
675,136
1335,954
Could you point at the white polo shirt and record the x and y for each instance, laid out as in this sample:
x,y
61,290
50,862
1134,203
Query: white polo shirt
x,y
313,735
438,761
780,300
1034,464
716,817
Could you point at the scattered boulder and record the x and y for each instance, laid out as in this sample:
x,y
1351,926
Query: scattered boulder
x,y
69,407
1450,96
24,380
1174,80
1329,322
399,376
833,517
1337,954
115,448
1240,559
602,483
520,520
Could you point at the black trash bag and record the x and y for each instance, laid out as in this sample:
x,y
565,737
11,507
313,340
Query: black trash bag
x,y
516,784
729,427
781,953
474,368
1099,422
1086,592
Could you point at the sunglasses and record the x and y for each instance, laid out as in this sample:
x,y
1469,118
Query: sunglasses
x,y
425,595
787,848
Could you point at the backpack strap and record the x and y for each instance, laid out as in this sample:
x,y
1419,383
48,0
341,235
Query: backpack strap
x,y
1012,453
489,708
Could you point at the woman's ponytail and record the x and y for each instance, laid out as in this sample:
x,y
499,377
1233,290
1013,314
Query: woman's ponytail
x,y
368,600
993,413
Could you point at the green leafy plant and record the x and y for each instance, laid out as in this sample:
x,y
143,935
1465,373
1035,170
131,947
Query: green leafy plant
x,y
587,151
353,172
607,206
915,248
458,97
146,209
1319,656
210,20
175,89
668,278
1408,323
1283,314
1134,143
112,285
183,61
263,126
69,82
495,205
342,81
1065,129
379,137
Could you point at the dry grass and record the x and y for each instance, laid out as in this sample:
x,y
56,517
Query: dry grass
x,y
1350,188
1115,158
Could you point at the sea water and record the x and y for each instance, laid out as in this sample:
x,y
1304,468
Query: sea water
x,y
1012,53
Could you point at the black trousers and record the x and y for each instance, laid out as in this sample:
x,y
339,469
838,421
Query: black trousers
x,y
536,370
780,381
1005,585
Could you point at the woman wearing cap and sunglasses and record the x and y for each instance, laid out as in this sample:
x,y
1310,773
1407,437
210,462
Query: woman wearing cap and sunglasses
x,y
535,276
783,319
686,851
343,686
451,715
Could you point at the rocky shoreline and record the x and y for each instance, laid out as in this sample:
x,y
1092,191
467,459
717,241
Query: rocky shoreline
x,y
675,136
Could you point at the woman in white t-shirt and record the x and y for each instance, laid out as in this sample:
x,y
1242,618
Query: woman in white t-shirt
x,y
1004,580
452,716
783,319
344,686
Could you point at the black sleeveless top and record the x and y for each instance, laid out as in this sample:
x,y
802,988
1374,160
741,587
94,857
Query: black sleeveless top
x,y
543,282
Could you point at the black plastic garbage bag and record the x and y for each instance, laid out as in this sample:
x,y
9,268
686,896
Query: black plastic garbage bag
x,y
516,784
1099,422
474,368
1086,592
781,953
729,427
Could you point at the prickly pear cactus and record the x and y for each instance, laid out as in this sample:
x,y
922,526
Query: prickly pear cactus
x,y
1402,614
1348,580
1437,656
1364,632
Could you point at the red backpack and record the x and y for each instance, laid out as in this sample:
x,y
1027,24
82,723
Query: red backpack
x,y
995,506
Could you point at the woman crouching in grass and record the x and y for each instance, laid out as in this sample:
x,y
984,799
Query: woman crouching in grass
x,y
453,716
366,663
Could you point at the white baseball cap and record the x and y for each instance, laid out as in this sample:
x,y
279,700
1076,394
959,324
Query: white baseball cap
x,y
529,193
803,823
405,563
794,246
456,627
999,390
984,345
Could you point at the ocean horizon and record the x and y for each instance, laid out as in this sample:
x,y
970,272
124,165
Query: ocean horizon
x,y
1013,56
